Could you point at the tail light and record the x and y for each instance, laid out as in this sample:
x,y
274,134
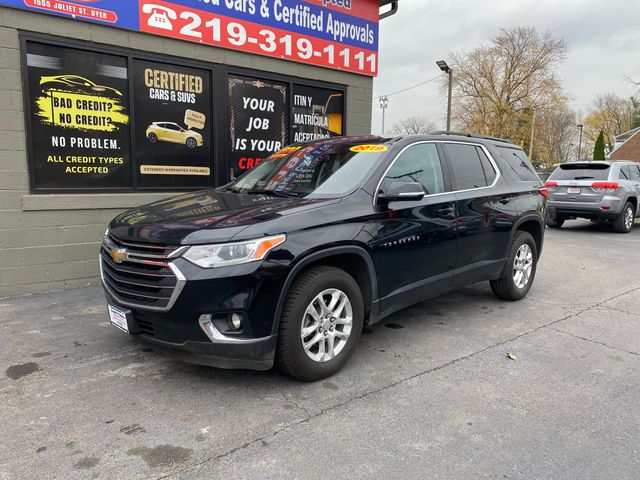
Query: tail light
x,y
544,191
598,186
551,186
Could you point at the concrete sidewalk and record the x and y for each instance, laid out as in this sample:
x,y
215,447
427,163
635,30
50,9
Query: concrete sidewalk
x,y
430,392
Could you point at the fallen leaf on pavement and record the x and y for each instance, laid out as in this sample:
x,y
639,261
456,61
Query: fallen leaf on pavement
x,y
512,356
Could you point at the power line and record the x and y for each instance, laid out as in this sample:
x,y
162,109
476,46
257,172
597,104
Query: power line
x,y
410,88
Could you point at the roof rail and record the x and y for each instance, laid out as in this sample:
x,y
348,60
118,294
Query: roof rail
x,y
470,135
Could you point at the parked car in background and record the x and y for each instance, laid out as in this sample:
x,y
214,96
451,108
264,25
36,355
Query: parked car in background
x,y
599,191
288,262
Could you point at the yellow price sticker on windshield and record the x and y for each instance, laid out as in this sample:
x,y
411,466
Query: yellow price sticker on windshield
x,y
369,148
284,152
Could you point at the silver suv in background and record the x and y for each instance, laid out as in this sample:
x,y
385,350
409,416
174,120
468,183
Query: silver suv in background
x,y
599,191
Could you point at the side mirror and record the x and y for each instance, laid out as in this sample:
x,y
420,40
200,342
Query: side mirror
x,y
403,191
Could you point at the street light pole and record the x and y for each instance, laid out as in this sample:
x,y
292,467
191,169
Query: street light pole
x,y
581,127
384,102
447,69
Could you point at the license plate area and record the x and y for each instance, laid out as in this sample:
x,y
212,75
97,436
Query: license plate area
x,y
119,318
574,190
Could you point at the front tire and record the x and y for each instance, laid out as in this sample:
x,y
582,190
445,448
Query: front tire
x,y
520,270
153,138
320,325
624,222
191,142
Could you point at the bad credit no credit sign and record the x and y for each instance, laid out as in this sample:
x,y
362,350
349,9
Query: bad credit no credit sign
x,y
340,34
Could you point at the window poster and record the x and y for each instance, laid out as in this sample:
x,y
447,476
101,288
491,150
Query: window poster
x,y
79,118
258,121
173,131
317,113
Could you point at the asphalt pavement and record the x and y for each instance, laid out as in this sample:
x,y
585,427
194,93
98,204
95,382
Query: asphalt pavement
x,y
431,392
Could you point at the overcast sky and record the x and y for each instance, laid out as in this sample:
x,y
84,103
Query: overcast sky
x,y
603,39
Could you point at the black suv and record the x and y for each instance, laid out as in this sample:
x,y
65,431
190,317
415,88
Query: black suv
x,y
288,262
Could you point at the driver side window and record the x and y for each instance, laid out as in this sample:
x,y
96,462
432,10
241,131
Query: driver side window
x,y
418,163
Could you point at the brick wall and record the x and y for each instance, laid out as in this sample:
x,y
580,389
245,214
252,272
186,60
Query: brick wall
x,y
50,242
629,150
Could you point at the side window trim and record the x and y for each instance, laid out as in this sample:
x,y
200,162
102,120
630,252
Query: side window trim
x,y
446,168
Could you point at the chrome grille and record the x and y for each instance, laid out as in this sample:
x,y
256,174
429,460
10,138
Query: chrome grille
x,y
141,275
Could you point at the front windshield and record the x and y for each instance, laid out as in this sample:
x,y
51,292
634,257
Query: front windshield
x,y
327,169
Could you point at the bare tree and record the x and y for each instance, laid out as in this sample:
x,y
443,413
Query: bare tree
x,y
413,125
611,114
556,139
497,88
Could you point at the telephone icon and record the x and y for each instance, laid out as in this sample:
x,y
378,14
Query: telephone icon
x,y
160,16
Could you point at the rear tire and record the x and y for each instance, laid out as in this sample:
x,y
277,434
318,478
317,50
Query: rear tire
x,y
304,296
520,269
556,222
624,222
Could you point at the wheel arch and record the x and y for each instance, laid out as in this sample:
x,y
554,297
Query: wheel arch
x,y
634,201
533,225
353,259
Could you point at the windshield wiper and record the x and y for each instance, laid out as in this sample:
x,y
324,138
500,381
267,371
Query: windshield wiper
x,y
583,178
275,193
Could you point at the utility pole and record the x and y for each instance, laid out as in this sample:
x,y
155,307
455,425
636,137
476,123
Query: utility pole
x,y
581,127
384,103
448,70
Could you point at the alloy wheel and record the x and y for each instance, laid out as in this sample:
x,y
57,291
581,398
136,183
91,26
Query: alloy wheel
x,y
628,218
327,324
522,266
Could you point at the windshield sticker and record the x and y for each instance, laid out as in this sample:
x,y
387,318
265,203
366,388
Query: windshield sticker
x,y
369,148
284,152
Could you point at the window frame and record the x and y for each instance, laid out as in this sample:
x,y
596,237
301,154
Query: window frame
x,y
446,168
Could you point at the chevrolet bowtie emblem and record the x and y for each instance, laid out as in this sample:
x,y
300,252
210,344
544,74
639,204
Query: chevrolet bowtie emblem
x,y
119,255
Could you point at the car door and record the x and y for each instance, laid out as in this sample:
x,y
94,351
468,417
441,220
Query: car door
x,y
163,133
414,244
634,171
173,133
486,212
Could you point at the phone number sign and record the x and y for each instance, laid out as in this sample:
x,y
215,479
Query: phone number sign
x,y
340,34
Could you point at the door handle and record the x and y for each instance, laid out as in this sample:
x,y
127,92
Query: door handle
x,y
446,211
504,200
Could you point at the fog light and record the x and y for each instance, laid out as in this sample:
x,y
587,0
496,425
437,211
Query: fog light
x,y
236,321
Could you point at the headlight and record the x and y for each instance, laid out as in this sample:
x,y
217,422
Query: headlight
x,y
222,255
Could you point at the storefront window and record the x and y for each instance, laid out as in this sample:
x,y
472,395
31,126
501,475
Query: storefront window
x,y
258,120
79,118
120,121
173,115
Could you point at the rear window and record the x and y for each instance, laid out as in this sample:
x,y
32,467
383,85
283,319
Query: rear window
x,y
519,163
581,171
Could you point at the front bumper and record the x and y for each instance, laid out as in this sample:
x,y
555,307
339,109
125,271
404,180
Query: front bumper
x,y
250,290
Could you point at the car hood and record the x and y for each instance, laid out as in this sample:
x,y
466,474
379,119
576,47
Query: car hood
x,y
208,216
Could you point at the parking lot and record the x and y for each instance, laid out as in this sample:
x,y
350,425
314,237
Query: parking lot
x,y
430,393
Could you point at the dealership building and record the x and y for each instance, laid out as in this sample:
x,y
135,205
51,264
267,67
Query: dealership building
x,y
110,104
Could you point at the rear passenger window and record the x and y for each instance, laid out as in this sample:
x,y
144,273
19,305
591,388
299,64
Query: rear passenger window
x,y
635,172
468,168
519,163
625,174
418,163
